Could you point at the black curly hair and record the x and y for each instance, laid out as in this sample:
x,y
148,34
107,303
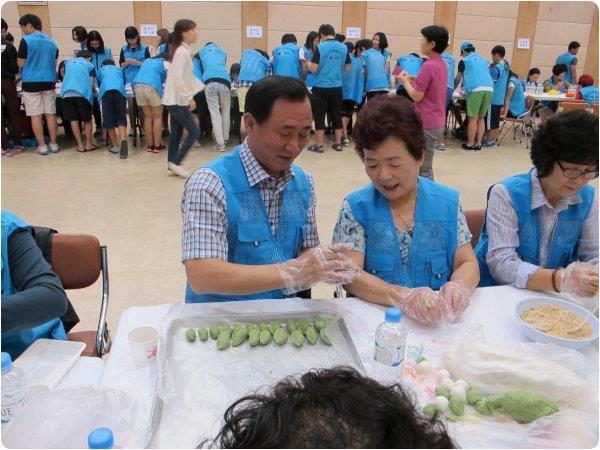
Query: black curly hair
x,y
570,137
330,408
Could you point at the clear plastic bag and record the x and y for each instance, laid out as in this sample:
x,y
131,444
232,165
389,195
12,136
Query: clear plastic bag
x,y
64,418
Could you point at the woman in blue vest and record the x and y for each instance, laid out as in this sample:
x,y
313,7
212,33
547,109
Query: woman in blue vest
x,y
306,53
100,53
113,97
33,298
569,59
541,227
148,88
255,65
411,64
79,36
352,91
132,55
380,43
408,233
514,101
376,81
286,58
587,91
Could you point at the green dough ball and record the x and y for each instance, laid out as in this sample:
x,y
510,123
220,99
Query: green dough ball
x,y
482,408
224,339
239,337
325,337
524,407
493,402
452,418
214,331
473,396
203,334
254,337
251,326
290,325
265,337
420,359
297,338
237,327
319,323
431,410
311,336
263,326
302,325
274,325
442,392
190,334
457,406
280,336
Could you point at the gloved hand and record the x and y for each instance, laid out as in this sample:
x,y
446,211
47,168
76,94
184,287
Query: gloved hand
x,y
327,264
454,298
579,279
419,303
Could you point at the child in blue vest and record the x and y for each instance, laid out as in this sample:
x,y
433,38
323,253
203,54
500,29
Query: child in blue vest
x,y
411,64
37,57
569,59
113,98
514,102
77,98
255,65
541,227
286,58
499,71
100,53
132,55
306,53
376,81
148,88
352,91
587,91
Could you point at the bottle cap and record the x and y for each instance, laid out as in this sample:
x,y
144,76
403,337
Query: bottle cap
x,y
101,438
6,362
393,314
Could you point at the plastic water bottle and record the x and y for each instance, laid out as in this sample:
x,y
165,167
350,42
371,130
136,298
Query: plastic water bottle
x,y
101,438
14,388
390,347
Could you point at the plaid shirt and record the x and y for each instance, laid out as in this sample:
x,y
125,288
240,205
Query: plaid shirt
x,y
250,83
204,208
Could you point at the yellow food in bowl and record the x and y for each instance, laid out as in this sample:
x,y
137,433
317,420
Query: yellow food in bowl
x,y
556,321
553,92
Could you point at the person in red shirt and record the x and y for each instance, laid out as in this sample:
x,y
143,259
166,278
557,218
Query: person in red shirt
x,y
429,91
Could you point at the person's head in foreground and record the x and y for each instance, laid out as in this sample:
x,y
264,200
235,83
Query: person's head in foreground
x,y
330,408
278,120
585,80
435,40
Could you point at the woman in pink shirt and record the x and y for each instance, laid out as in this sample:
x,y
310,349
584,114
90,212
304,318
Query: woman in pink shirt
x,y
429,91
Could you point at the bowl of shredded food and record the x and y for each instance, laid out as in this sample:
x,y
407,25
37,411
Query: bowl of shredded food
x,y
556,321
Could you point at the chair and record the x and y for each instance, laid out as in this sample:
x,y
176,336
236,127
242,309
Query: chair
x,y
573,106
78,260
525,121
595,109
475,219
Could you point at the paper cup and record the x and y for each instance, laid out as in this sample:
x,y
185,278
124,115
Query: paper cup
x,y
143,342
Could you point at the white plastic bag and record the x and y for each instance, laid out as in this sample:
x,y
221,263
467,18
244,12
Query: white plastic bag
x,y
64,418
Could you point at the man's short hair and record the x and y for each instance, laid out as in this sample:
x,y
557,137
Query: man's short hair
x,y
499,50
83,54
326,30
31,19
557,69
574,45
288,38
437,34
262,95
108,62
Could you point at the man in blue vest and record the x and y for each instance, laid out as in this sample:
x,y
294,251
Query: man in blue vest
x,y
249,224
569,59
286,58
255,65
329,61
499,70
36,57
33,298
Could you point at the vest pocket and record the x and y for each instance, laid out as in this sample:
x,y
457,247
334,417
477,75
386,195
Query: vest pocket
x,y
440,272
253,244
380,265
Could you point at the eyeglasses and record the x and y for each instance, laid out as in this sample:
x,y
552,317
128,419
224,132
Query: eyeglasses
x,y
575,173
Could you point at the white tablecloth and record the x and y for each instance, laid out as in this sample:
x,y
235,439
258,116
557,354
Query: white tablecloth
x,y
492,307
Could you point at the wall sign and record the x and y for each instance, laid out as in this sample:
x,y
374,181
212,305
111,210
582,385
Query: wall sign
x,y
353,32
148,29
254,31
524,43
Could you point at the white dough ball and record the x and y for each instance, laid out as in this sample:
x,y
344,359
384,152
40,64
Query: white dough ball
x,y
441,403
447,383
458,392
465,384
441,374
424,367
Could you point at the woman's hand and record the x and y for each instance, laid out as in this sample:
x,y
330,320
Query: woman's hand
x,y
454,298
579,279
419,303
192,105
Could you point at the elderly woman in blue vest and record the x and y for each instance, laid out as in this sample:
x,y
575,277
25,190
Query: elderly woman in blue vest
x,y
499,70
587,91
100,53
33,298
306,53
408,233
148,88
541,227
255,65
569,59
286,58
410,64
249,224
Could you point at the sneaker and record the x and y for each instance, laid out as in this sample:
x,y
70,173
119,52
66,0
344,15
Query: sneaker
x,y
316,148
345,142
178,170
123,149
42,150
488,144
220,148
114,150
441,146
54,148
471,148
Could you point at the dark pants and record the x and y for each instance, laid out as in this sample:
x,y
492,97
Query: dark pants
x,y
97,115
181,118
9,93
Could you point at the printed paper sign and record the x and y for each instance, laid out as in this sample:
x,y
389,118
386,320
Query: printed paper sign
x,y
254,31
353,32
523,43
148,29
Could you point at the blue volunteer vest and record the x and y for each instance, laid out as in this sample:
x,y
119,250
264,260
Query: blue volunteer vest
x,y
152,72
249,236
332,56
566,59
589,94
562,249
476,72
110,78
431,254
310,77
77,78
254,66
15,342
214,60
500,84
387,54
286,61
516,105
40,65
376,74
99,57
353,83
410,64
163,48
138,53
450,63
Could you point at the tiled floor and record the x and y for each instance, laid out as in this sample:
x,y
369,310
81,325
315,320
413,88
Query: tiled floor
x,y
132,206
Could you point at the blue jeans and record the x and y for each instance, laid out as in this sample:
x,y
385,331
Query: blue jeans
x,y
181,118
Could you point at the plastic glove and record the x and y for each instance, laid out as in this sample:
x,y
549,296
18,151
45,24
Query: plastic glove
x,y
419,303
579,279
319,264
454,298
